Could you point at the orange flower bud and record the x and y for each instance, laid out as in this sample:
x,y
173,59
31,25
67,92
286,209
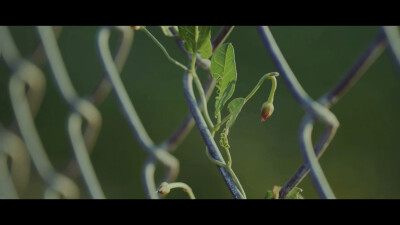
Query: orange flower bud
x,y
266,111
136,27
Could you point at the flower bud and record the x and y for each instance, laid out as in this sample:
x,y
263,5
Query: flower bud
x,y
266,111
164,188
137,27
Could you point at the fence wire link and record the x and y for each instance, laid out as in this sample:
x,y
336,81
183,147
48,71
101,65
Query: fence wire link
x,y
12,147
12,151
101,91
21,142
28,80
162,151
392,34
207,137
310,153
168,160
370,55
81,109
310,106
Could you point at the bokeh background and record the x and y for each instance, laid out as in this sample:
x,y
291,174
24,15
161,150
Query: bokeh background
x,y
361,162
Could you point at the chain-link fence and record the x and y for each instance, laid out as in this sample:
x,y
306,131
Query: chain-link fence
x,y
21,143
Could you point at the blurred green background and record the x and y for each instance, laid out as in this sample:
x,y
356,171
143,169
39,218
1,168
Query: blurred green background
x,y
361,162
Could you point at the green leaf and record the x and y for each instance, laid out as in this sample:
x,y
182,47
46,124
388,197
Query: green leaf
x,y
204,42
223,68
295,194
206,50
234,107
190,36
197,39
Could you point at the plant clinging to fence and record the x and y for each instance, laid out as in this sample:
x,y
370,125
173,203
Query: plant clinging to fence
x,y
21,141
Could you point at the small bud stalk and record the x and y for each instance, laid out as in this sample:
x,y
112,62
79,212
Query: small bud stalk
x,y
268,107
165,188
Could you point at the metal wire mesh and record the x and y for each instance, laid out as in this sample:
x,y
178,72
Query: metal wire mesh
x,y
21,143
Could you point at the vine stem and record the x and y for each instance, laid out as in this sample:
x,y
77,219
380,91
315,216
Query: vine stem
x,y
200,89
203,99
172,142
207,137
192,71
187,123
216,127
268,76
163,48
227,165
210,125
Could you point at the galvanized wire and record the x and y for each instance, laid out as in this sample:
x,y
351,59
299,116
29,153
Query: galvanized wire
x,y
27,76
310,153
207,137
14,156
27,85
81,109
97,95
187,124
168,160
14,165
102,90
392,34
130,113
368,58
312,107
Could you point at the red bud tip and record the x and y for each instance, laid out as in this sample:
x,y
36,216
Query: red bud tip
x,y
266,111
163,189
135,27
